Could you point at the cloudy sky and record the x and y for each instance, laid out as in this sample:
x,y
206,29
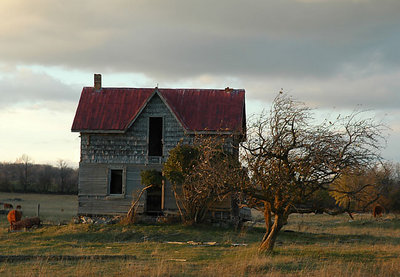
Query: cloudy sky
x,y
336,55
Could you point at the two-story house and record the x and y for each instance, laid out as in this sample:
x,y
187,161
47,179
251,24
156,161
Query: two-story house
x,y
126,130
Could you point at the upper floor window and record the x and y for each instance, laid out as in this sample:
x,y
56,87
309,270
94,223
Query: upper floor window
x,y
155,136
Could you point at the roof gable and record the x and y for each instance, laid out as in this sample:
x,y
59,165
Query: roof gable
x,y
198,110
155,92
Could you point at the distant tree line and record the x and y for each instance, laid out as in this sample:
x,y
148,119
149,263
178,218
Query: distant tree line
x,y
25,176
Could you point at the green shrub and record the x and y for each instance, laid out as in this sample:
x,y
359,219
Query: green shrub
x,y
151,177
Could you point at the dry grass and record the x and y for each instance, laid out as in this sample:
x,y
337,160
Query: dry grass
x,y
310,245
239,263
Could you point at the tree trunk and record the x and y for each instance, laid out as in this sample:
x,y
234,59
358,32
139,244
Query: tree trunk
x,y
130,216
267,245
268,221
178,204
348,211
204,211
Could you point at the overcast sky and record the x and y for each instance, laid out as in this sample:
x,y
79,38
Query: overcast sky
x,y
336,55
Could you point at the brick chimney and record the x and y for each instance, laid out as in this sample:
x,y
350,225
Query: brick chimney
x,y
97,82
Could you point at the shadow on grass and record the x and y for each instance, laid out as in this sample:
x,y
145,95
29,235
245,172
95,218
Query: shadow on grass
x,y
179,233
393,224
153,233
323,238
282,267
320,255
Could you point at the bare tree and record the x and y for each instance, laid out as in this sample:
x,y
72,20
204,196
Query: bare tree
x,y
26,162
63,170
289,157
202,174
45,177
24,175
217,175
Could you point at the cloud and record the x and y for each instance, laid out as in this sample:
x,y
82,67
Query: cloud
x,y
37,90
328,53
182,38
372,91
367,89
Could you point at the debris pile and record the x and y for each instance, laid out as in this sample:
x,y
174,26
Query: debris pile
x,y
97,219
190,242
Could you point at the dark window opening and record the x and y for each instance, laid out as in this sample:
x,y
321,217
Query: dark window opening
x,y
153,200
155,136
116,182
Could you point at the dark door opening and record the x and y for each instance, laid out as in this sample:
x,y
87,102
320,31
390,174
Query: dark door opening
x,y
116,181
153,200
155,136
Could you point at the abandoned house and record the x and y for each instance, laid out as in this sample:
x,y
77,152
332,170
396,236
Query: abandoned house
x,y
126,130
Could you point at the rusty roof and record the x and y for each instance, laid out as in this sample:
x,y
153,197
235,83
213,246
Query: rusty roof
x,y
198,110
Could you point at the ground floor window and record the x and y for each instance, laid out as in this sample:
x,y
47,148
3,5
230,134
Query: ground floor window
x,y
116,181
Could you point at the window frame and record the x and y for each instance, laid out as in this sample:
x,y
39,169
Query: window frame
x,y
162,135
120,168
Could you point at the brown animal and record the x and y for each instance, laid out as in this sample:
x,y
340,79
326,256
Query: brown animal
x,y
19,207
378,211
14,216
25,223
8,206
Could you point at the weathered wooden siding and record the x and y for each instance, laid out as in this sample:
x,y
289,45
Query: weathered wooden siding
x,y
131,147
128,151
101,152
94,189
93,179
103,205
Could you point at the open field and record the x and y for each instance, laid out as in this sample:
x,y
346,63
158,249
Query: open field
x,y
53,208
310,245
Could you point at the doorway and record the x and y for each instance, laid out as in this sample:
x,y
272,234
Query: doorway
x,y
153,200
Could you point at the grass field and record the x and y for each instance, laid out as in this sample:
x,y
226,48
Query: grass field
x,y
310,245
53,208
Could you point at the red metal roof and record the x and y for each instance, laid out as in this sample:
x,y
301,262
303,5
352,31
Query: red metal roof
x,y
114,109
